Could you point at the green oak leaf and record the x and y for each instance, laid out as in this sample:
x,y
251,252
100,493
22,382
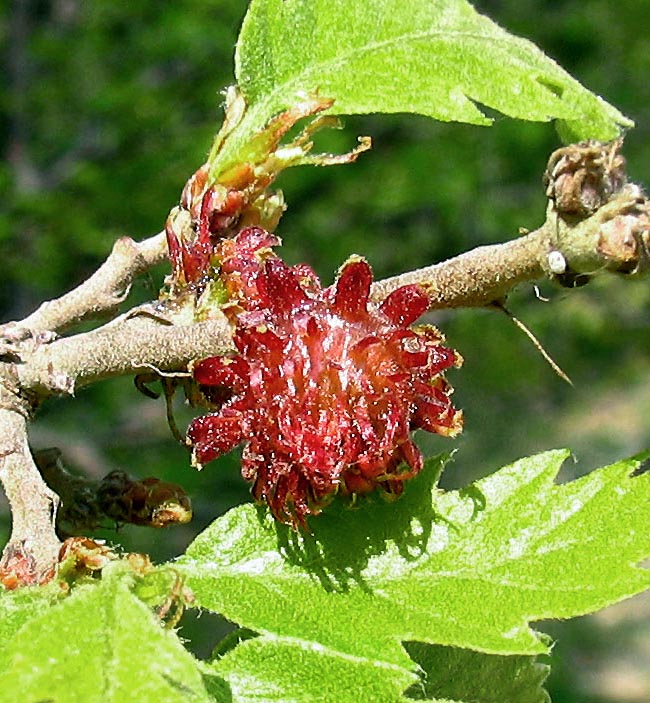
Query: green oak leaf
x,y
449,673
469,569
275,669
280,670
438,58
101,644
19,607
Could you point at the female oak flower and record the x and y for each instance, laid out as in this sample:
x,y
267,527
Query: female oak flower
x,y
326,388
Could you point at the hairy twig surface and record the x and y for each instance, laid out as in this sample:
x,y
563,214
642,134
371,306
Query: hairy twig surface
x,y
595,222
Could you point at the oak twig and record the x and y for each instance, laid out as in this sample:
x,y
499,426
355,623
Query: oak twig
x,y
615,238
31,552
595,222
128,347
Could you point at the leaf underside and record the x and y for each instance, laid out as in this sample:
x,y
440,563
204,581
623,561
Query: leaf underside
x,y
436,58
448,673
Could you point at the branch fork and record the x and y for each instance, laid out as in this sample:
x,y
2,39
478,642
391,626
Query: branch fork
x,y
595,222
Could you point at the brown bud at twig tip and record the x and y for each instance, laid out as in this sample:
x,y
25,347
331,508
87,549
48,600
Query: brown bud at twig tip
x,y
624,242
582,177
149,502
119,498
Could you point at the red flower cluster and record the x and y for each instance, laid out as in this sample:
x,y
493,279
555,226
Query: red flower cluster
x,y
326,387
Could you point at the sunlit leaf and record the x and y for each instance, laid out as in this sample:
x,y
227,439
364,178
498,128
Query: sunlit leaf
x,y
104,645
470,569
276,670
437,58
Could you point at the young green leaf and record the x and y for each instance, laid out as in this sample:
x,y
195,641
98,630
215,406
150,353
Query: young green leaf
x,y
469,569
294,670
100,644
277,670
456,674
19,607
441,59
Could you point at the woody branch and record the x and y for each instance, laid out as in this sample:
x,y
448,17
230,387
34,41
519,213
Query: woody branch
x,y
594,222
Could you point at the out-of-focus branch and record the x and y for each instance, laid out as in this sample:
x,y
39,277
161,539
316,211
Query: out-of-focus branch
x,y
19,73
103,292
116,499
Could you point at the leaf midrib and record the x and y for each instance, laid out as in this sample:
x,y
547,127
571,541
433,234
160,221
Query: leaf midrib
x,y
298,79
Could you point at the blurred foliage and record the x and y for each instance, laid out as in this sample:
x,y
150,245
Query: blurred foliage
x,y
109,107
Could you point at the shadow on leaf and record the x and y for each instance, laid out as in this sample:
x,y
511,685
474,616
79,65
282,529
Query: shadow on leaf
x,y
344,538
451,673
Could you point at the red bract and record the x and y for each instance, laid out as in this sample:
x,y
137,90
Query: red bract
x,y
240,259
192,229
326,388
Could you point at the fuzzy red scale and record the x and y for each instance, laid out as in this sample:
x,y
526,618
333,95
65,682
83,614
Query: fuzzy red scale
x,y
412,456
240,261
214,435
258,337
279,288
404,305
222,371
326,388
352,289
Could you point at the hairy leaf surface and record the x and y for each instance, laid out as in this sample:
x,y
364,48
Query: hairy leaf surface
x,y
19,607
437,58
470,569
101,644
277,670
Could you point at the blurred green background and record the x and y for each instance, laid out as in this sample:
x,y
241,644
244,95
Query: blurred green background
x,y
107,108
